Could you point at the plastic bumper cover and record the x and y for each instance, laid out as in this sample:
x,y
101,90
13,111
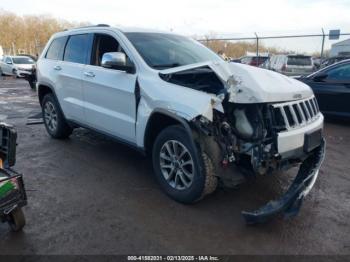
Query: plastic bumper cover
x,y
291,201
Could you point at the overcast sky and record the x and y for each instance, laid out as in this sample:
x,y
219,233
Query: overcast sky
x,y
199,17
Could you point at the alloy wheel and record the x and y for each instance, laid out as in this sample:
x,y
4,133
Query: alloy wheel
x,y
50,116
176,164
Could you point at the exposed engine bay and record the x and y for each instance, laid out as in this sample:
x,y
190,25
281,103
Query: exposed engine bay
x,y
245,133
201,79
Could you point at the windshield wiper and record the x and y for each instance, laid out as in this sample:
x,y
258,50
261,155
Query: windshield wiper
x,y
166,65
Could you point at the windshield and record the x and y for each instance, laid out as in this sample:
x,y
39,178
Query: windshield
x,y
299,60
22,60
161,51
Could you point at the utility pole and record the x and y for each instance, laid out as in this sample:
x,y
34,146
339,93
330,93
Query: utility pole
x,y
322,48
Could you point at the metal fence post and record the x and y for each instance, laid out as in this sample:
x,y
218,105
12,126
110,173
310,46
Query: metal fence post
x,y
323,38
257,47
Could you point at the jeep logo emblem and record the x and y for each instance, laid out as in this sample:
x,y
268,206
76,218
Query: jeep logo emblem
x,y
297,96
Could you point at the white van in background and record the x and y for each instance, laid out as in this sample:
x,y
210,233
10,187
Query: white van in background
x,y
292,65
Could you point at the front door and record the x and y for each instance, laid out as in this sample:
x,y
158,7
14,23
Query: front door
x,y
109,94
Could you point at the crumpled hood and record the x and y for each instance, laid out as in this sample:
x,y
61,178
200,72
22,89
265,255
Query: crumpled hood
x,y
248,84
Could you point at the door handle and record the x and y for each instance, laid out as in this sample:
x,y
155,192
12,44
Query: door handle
x,y
89,74
57,68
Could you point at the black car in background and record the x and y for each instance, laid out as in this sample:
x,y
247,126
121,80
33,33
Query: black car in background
x,y
333,60
331,86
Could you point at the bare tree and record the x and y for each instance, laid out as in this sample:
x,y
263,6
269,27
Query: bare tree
x,y
29,33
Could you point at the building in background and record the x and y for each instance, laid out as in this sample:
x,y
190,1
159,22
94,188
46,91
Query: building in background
x,y
341,48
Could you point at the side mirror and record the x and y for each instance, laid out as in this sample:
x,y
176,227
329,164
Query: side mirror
x,y
9,63
117,60
320,77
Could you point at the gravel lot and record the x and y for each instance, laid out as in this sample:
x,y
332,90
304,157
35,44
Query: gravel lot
x,y
90,195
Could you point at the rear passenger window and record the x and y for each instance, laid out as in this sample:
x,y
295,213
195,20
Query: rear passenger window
x,y
77,48
56,48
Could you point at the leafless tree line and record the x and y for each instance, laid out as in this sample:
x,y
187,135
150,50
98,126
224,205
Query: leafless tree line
x,y
29,34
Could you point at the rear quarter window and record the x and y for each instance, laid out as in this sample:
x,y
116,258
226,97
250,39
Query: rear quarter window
x,y
55,51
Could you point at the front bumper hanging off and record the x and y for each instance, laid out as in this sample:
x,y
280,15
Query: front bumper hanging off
x,y
291,201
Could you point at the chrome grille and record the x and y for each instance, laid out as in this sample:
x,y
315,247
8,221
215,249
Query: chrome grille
x,y
294,114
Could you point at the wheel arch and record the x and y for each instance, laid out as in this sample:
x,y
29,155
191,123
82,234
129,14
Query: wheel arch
x,y
158,120
44,89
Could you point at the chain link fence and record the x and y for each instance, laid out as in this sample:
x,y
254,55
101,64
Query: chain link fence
x,y
317,45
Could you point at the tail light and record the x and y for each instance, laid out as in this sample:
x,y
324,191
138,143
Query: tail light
x,y
284,67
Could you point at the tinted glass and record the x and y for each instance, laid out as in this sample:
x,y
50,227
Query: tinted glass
x,y
103,44
56,48
246,60
339,73
8,60
261,59
162,51
299,60
77,48
23,60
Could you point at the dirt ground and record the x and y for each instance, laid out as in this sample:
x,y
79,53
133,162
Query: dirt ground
x,y
90,195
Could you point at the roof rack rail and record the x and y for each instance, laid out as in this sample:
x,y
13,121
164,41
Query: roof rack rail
x,y
87,26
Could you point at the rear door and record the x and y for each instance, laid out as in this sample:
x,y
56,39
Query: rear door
x,y
110,104
333,91
70,74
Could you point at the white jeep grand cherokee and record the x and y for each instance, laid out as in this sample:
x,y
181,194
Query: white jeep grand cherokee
x,y
204,121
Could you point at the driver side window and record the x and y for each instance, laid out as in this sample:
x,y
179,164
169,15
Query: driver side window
x,y
103,44
339,73
8,60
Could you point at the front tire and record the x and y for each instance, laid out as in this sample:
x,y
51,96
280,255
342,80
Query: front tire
x,y
54,120
184,172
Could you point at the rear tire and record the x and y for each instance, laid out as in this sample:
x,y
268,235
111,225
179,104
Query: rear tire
x,y
185,177
16,220
55,123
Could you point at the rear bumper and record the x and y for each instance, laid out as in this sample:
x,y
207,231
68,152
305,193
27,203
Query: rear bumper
x,y
291,201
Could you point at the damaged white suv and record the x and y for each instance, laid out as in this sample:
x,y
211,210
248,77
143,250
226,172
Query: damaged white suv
x,y
204,121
